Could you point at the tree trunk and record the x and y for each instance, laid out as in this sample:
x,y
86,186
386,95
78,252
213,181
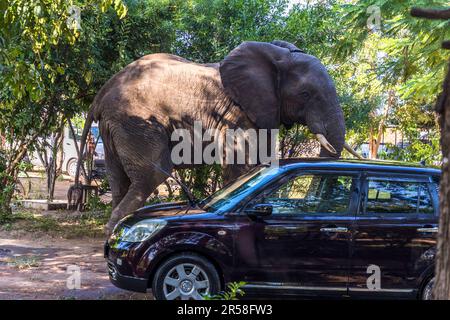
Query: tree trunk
x,y
375,141
8,185
382,124
371,145
10,174
442,283
52,166
77,148
5,204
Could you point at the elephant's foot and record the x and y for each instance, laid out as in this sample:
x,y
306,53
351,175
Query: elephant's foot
x,y
107,230
113,220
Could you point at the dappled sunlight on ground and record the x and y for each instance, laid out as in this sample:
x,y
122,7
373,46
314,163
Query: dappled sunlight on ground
x,y
37,269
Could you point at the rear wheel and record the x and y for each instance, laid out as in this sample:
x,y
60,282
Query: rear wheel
x,y
427,291
72,167
186,276
19,189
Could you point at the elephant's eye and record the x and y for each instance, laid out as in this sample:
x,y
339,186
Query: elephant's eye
x,y
305,95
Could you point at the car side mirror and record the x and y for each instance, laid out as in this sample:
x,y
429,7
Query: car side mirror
x,y
260,210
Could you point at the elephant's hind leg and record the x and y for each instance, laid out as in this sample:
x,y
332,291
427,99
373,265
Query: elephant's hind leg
x,y
144,163
117,178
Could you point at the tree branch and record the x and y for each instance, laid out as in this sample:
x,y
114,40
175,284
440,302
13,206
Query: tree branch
x,y
446,44
437,14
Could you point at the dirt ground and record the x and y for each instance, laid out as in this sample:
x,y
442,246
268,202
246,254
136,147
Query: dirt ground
x,y
37,268
36,252
35,186
38,247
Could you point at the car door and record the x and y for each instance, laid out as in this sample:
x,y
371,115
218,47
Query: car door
x,y
304,244
394,237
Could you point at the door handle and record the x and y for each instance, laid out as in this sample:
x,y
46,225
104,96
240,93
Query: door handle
x,y
428,229
334,229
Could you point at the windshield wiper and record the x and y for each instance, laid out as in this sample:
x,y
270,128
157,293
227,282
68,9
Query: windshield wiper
x,y
193,202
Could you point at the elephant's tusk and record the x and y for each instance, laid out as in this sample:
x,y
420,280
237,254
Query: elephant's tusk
x,y
353,152
324,143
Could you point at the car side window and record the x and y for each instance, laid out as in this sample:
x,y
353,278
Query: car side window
x,y
318,193
390,196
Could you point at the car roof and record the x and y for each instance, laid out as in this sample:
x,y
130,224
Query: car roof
x,y
354,164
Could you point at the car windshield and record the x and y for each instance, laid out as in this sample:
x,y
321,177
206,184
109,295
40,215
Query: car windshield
x,y
225,199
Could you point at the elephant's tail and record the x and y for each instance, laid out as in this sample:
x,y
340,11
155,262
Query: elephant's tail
x,y
86,129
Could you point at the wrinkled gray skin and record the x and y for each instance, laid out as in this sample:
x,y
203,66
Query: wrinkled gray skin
x,y
258,85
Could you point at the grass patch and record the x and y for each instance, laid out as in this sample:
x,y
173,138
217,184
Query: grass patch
x,y
64,224
24,262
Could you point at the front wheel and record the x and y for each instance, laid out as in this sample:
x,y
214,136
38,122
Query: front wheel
x,y
186,276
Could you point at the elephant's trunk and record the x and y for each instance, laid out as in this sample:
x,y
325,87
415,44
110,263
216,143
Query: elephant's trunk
x,y
334,135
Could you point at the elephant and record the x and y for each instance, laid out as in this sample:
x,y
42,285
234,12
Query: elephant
x,y
258,85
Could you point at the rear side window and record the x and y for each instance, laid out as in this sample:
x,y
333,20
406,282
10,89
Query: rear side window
x,y
391,196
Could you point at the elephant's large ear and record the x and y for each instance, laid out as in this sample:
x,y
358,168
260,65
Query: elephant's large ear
x,y
250,76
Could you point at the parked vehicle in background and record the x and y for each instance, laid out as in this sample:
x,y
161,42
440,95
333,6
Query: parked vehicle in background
x,y
70,155
358,229
99,168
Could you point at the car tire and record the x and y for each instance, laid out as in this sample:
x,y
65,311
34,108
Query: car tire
x,y
174,279
71,167
427,290
19,189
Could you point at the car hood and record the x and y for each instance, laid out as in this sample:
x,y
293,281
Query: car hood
x,y
167,211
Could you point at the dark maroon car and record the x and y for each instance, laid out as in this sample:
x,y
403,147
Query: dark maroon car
x,y
317,228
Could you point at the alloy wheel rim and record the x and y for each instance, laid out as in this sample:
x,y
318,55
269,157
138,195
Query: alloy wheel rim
x,y
186,281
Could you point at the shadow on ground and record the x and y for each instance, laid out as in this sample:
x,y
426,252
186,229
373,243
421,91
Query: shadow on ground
x,y
37,268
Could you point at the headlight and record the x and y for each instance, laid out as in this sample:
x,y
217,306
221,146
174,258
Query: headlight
x,y
143,230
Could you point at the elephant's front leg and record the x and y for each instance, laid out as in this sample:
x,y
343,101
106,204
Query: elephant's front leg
x,y
135,198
